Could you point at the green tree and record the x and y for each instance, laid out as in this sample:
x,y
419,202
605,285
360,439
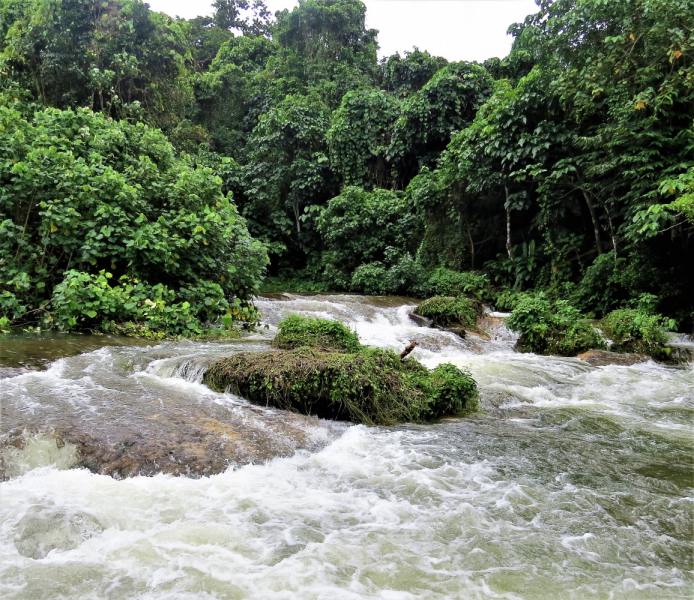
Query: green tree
x,y
111,56
249,16
324,44
287,171
446,104
360,136
405,76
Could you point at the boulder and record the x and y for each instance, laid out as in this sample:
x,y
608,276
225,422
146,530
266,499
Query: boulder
x,y
420,320
370,386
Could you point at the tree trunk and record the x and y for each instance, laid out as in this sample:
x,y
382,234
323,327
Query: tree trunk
x,y
594,218
472,249
612,233
509,248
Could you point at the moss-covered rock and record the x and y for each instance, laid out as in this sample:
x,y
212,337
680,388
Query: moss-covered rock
x,y
323,370
552,327
296,331
371,386
448,311
634,331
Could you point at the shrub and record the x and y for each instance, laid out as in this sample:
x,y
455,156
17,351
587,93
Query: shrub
x,y
446,311
444,282
10,307
371,279
406,275
552,327
509,299
601,289
360,227
371,386
296,331
135,308
634,331
84,194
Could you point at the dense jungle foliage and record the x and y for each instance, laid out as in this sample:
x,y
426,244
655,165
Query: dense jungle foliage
x,y
153,170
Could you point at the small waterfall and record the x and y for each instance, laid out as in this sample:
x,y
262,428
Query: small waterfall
x,y
191,370
384,322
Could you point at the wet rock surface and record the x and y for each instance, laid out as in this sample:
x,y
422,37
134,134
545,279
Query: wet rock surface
x,y
420,320
21,352
479,331
134,410
603,358
190,445
9,372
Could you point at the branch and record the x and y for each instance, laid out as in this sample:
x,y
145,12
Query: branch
x,y
407,350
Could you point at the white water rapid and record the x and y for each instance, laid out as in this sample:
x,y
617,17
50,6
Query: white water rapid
x,y
575,481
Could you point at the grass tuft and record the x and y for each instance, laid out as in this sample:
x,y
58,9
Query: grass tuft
x,y
296,331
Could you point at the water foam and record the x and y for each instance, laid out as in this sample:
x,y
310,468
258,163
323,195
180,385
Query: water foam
x,y
589,495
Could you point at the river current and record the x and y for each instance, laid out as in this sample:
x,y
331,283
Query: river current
x,y
573,482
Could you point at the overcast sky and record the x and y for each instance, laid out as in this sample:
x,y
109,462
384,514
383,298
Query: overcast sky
x,y
454,29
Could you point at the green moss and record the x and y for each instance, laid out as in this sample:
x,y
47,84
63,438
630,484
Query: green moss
x,y
634,331
447,311
296,331
371,386
552,327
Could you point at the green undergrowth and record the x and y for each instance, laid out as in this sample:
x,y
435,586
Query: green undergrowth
x,y
634,331
326,372
552,327
448,311
296,331
134,308
141,330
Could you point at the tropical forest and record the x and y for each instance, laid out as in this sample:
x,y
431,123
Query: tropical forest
x,y
286,316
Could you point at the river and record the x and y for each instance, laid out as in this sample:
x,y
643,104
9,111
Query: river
x,y
573,482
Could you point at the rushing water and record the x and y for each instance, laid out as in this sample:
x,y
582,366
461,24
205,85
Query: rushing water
x,y
575,482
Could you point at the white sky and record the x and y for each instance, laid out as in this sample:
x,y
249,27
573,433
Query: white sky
x,y
454,29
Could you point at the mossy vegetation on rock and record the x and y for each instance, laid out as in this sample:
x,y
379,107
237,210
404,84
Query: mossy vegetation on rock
x,y
634,331
449,311
553,327
371,386
362,385
296,331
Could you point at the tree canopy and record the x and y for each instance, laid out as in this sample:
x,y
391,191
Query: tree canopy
x,y
566,166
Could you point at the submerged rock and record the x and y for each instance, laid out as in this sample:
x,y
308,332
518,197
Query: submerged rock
x,y
198,442
8,372
43,530
603,358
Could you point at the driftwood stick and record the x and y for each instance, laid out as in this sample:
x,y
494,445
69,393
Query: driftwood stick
x,y
407,350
